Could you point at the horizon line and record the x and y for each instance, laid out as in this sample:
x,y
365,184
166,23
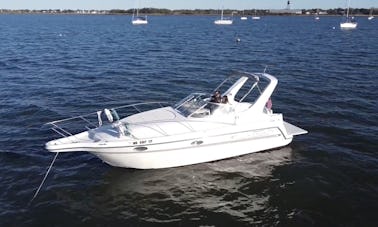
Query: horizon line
x,y
181,9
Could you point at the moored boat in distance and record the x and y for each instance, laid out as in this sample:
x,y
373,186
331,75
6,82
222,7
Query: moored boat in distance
x,y
235,119
243,17
371,17
138,20
223,20
255,17
317,15
349,22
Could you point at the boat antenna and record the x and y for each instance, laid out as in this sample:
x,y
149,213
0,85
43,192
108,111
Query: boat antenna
x,y
266,67
43,181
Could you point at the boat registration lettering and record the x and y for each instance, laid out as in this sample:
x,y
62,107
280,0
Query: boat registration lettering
x,y
142,142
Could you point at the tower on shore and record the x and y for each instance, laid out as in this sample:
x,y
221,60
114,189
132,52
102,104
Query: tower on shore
x,y
288,5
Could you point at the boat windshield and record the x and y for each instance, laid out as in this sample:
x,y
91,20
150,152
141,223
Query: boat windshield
x,y
192,103
199,105
240,89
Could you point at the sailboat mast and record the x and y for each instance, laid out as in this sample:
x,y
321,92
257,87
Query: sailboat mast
x,y
348,9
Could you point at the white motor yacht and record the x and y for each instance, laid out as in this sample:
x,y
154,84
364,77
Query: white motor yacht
x,y
202,127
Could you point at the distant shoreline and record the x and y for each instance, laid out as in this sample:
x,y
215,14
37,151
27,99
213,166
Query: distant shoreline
x,y
127,14
196,12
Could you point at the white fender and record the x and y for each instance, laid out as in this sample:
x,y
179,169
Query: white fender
x,y
108,115
115,114
99,118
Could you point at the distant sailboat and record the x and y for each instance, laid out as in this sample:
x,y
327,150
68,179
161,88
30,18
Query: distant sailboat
x,y
371,17
255,17
136,19
317,15
349,22
223,20
243,17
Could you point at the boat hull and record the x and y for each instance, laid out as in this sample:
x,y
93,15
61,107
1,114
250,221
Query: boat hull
x,y
348,25
223,22
139,22
183,149
188,155
194,150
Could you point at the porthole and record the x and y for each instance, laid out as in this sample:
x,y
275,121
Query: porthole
x,y
140,148
197,142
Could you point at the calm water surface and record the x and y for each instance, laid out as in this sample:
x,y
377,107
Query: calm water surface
x,y
52,67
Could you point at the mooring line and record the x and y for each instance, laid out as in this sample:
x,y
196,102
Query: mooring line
x,y
43,181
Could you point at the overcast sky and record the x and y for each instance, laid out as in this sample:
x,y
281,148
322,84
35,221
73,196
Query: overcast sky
x,y
183,4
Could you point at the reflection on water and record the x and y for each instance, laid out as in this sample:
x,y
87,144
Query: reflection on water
x,y
226,187
255,165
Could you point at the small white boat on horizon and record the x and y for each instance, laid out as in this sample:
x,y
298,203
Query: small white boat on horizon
x,y
243,17
255,17
138,20
236,120
317,18
349,22
223,20
371,17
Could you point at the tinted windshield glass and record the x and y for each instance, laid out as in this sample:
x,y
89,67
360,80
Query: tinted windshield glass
x,y
191,104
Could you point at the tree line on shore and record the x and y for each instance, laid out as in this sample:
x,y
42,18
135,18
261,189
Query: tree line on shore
x,y
157,11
